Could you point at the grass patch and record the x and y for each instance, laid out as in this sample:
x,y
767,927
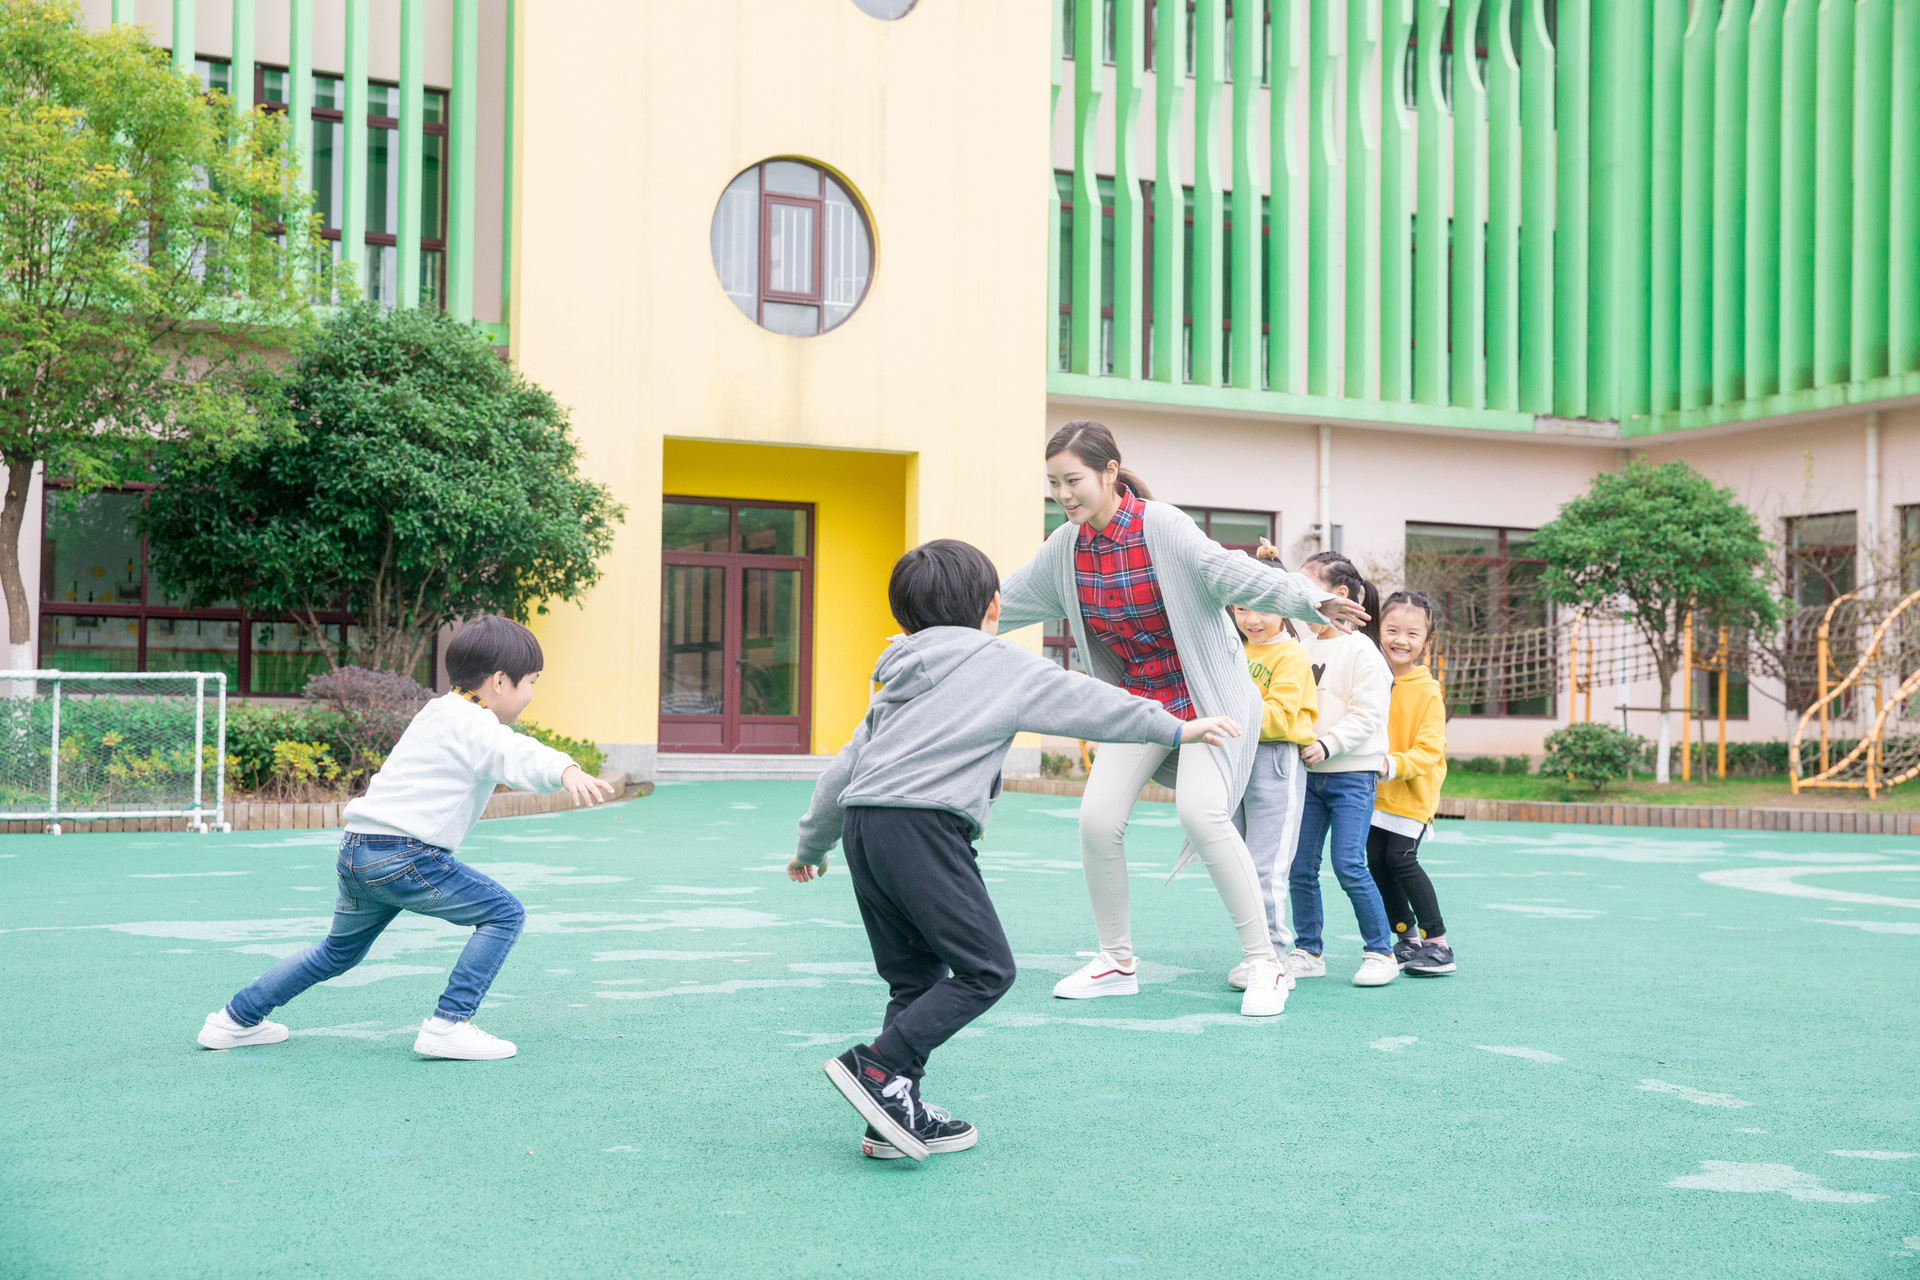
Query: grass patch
x,y
1759,793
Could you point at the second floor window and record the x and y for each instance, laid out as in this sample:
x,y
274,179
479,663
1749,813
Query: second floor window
x,y
1496,644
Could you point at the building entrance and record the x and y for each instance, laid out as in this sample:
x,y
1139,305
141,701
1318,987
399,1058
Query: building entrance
x,y
736,618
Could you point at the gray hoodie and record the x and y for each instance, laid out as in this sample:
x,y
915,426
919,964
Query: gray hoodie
x,y
950,701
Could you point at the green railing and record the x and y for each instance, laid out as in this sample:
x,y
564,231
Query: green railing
x,y
1725,226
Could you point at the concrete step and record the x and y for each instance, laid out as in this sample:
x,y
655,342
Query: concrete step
x,y
688,766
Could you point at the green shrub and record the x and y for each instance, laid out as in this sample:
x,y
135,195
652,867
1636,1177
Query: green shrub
x,y
1475,764
1518,766
1055,765
1591,754
589,757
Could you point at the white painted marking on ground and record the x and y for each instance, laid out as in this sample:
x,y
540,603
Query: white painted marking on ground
x,y
619,1148
703,893
815,1039
1872,926
1191,1024
832,966
1781,880
1749,1130
308,888
1150,971
1392,1044
361,975
602,957
1728,1175
1518,1051
1540,912
182,875
515,876
1700,1096
1878,1155
357,1031
713,989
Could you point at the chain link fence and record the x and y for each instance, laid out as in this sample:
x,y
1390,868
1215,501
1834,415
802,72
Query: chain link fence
x,y
86,746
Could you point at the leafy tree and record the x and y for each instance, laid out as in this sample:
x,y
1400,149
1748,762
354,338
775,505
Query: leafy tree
x,y
427,482
1591,754
1650,542
144,267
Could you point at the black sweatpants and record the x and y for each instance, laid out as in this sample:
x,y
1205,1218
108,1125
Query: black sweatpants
x,y
1394,860
935,936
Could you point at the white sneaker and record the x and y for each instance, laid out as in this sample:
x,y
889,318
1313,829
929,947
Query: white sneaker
x,y
439,1038
1266,989
222,1032
1237,976
1100,976
1377,969
1305,964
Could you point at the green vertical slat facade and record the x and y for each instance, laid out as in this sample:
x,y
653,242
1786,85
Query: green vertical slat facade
x,y
1467,321
1244,288
1323,179
413,56
1605,145
1798,81
1209,248
1573,210
1089,29
1632,216
1129,212
1430,216
1872,88
122,11
1539,169
1729,200
464,139
1696,213
1762,358
1503,209
1833,195
1169,205
300,80
1663,323
1396,207
1286,204
241,79
354,193
1903,194
1360,357
183,34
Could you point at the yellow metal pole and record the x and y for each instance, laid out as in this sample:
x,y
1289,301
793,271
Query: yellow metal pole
x,y
1573,665
1820,667
1723,703
1588,714
1686,698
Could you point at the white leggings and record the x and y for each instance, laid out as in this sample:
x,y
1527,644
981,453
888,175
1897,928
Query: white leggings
x,y
1119,771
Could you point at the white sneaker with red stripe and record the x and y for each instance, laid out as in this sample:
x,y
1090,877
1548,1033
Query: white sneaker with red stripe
x,y
1266,988
1100,976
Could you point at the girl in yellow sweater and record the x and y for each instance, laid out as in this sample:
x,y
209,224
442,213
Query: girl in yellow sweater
x,y
1409,789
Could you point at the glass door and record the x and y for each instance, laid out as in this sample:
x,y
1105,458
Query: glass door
x,y
736,625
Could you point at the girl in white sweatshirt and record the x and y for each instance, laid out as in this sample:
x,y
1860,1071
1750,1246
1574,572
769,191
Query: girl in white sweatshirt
x,y
1343,764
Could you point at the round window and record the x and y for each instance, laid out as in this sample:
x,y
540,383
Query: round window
x,y
791,247
888,9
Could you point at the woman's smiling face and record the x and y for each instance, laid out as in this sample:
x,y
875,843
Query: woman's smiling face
x,y
1081,491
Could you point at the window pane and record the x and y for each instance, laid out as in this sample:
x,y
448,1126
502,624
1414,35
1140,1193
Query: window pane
x,y
794,321
1240,528
789,177
434,102
773,531
194,644
692,647
689,526
383,180
89,644
432,147
275,86
1452,540
383,273
383,100
329,92
329,171
770,643
736,242
790,249
1055,516
92,552
284,657
1822,531
216,76
432,266
849,255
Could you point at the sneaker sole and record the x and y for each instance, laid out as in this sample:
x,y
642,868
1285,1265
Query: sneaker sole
x,y
1383,982
939,1146
1262,1013
223,1043
873,1112
1131,987
427,1050
1430,973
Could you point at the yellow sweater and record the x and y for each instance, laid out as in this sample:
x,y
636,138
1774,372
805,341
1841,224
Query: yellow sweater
x,y
1417,746
1288,701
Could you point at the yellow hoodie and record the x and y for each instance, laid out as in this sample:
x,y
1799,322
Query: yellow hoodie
x,y
1289,703
1416,746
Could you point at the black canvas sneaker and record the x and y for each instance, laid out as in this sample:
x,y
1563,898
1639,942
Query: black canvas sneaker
x,y
940,1131
883,1097
1432,960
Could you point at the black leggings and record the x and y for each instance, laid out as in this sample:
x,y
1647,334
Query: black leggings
x,y
1394,861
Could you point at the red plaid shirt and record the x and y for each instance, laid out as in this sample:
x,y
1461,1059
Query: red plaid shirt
x,y
1120,600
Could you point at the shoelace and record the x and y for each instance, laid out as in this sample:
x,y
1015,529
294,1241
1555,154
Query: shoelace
x,y
940,1114
901,1089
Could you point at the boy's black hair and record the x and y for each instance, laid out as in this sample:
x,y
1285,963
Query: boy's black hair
x,y
491,643
943,583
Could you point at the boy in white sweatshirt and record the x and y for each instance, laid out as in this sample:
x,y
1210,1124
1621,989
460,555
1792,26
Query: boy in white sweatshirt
x,y
397,853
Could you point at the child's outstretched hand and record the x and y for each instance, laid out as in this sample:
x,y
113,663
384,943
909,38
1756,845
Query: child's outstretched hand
x,y
584,790
1214,731
800,872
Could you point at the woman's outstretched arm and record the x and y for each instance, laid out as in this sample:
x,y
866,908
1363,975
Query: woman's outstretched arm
x,y
1031,593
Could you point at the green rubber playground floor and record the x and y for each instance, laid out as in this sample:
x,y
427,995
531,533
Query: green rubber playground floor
x,y
1665,1054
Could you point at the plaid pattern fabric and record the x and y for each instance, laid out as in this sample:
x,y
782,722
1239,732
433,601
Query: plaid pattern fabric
x,y
1120,600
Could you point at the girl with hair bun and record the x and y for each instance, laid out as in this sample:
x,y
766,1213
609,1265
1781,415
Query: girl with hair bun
x,y
1145,594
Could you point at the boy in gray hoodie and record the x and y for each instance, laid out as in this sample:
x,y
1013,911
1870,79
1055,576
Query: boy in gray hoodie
x,y
910,794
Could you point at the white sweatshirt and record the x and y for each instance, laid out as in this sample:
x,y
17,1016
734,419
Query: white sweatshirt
x,y
436,783
1355,684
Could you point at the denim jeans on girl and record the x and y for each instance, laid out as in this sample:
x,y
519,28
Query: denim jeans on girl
x,y
381,876
1342,802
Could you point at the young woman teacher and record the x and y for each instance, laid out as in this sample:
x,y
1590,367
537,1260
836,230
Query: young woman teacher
x,y
1146,595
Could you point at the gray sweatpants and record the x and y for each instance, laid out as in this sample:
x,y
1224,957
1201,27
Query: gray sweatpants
x,y
1269,819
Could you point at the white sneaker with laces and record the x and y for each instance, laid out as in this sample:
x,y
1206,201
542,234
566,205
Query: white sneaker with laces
x,y
1100,976
1237,976
222,1032
1305,964
1266,989
1377,969
439,1038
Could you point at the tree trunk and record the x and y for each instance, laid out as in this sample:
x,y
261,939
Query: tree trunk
x,y
1662,768
13,517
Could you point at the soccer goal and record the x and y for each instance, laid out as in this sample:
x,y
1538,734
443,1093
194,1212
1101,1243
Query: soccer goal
x,y
82,746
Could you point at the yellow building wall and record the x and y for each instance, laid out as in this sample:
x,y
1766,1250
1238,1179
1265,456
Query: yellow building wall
x,y
860,529
632,116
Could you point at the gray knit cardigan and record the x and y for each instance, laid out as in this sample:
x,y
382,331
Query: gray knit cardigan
x,y
1198,579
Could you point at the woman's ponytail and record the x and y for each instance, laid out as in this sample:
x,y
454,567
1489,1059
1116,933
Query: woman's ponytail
x,y
1338,571
1095,446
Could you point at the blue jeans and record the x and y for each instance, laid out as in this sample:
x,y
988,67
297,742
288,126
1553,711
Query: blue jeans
x,y
381,876
1342,802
